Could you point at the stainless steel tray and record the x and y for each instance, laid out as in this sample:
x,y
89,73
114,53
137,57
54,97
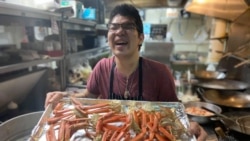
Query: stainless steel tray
x,y
39,130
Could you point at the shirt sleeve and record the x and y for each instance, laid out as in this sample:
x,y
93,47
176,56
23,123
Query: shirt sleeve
x,y
92,83
167,90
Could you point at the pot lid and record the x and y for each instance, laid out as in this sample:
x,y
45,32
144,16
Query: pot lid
x,y
225,9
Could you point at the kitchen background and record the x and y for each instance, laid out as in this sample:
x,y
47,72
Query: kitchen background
x,y
190,39
53,45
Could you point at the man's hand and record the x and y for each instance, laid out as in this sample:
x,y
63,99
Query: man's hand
x,y
198,131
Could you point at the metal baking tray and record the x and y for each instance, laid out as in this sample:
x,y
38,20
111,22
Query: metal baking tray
x,y
38,133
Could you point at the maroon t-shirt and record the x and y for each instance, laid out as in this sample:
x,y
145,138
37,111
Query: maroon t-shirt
x,y
158,83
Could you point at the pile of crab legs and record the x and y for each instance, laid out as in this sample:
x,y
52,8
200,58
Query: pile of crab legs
x,y
100,123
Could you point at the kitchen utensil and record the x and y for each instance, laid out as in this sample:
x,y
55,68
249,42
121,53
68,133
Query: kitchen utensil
x,y
242,63
235,99
225,84
20,127
234,115
244,123
208,75
223,136
220,115
242,51
202,119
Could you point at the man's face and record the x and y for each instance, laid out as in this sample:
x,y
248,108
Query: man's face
x,y
123,37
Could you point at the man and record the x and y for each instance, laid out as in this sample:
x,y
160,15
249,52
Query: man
x,y
126,75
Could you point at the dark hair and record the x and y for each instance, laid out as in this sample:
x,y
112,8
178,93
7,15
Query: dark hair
x,y
129,11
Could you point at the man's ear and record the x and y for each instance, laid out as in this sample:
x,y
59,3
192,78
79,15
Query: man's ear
x,y
141,37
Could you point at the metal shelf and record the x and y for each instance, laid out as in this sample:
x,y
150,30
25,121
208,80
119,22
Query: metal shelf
x,y
82,53
22,65
101,27
24,11
79,24
186,62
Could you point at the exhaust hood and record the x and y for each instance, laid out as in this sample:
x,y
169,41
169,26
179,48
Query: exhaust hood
x,y
231,10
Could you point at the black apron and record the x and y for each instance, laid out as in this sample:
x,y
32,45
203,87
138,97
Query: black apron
x,y
112,95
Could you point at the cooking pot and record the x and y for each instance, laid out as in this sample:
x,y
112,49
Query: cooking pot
x,y
236,115
225,84
233,99
203,119
20,127
208,75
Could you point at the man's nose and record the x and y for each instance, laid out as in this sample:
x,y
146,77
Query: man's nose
x,y
120,29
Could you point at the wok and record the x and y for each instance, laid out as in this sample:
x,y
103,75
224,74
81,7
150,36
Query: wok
x,y
208,75
224,84
244,123
233,125
233,99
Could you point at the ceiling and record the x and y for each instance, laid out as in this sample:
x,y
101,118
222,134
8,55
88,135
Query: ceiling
x,y
143,4
232,10
225,9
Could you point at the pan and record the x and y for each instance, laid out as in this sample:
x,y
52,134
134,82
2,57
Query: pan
x,y
225,84
209,75
235,115
234,99
202,105
244,123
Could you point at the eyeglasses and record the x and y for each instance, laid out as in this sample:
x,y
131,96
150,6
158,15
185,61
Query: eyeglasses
x,y
125,26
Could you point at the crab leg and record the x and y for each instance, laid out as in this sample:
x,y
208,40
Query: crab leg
x,y
120,136
166,133
98,110
53,120
115,118
106,135
61,135
160,138
89,107
75,101
139,137
50,134
67,132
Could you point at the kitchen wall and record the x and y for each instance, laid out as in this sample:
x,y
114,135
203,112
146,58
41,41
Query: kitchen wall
x,y
182,30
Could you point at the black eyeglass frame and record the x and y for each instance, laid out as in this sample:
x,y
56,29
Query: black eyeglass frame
x,y
125,26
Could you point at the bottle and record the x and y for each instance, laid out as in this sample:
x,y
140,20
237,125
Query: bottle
x,y
178,84
64,3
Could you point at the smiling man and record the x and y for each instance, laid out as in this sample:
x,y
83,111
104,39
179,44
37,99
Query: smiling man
x,y
126,75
